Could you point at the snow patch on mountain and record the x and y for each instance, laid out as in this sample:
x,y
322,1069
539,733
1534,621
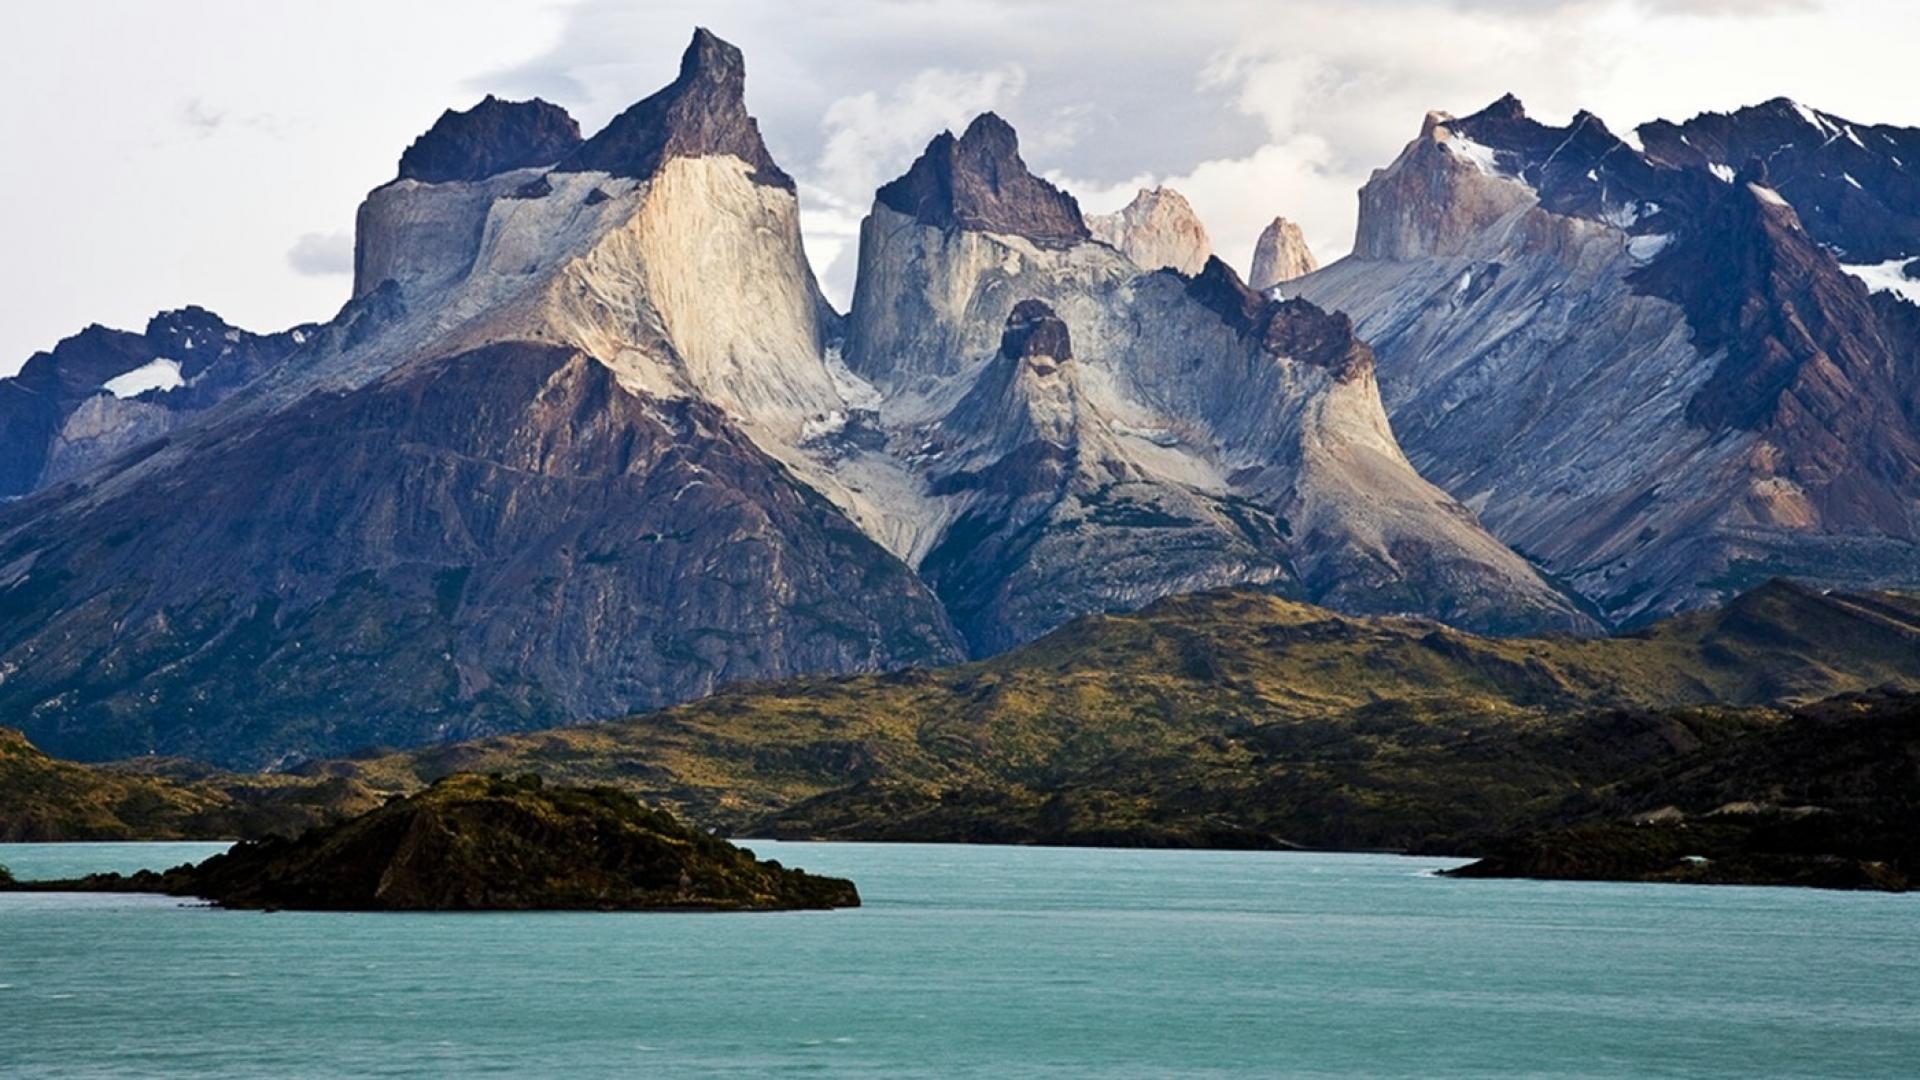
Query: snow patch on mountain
x,y
157,374
1888,277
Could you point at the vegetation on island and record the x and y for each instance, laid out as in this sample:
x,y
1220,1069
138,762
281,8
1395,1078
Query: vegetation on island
x,y
478,843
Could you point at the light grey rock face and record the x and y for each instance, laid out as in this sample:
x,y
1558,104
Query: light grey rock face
x,y
1157,230
1546,358
1280,255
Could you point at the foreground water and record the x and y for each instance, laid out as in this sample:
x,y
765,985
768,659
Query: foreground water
x,y
981,961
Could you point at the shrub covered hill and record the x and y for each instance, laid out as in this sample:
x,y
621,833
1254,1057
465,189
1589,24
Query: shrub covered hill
x,y
1234,718
474,843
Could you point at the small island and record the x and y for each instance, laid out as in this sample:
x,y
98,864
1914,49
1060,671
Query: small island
x,y
1810,849
488,843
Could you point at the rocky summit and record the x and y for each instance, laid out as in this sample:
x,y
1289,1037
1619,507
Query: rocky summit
x,y
1280,255
703,113
493,137
1157,229
979,183
588,439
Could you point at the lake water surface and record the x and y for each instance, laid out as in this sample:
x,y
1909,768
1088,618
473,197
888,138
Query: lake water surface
x,y
980,961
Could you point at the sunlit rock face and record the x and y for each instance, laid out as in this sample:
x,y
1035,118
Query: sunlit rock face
x,y
1280,255
1157,230
1649,371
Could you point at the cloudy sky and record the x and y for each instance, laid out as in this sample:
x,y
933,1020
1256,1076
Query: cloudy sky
x,y
213,151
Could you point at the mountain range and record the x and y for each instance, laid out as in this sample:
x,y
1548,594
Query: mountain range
x,y
588,440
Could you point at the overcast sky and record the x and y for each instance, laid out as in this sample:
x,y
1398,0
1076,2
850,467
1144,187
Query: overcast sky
x,y
213,151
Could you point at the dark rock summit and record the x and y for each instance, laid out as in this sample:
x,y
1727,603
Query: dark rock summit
x,y
978,182
1582,169
702,113
1295,329
473,843
493,137
1033,330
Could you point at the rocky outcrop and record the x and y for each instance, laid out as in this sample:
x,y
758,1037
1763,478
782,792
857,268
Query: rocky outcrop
x,y
1157,230
473,843
1651,379
1280,255
702,113
493,137
978,183
1441,193
1804,361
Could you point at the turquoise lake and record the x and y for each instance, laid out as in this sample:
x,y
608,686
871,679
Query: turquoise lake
x,y
981,961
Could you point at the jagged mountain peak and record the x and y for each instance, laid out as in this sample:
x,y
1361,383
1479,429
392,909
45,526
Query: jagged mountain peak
x,y
1157,229
492,137
1293,329
1507,107
979,183
1280,255
702,113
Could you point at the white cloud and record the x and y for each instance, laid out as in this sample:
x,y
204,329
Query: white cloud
x,y
322,254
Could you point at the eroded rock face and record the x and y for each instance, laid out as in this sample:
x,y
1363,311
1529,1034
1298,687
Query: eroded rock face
x,y
978,183
1157,230
1280,255
493,137
503,540
1651,377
